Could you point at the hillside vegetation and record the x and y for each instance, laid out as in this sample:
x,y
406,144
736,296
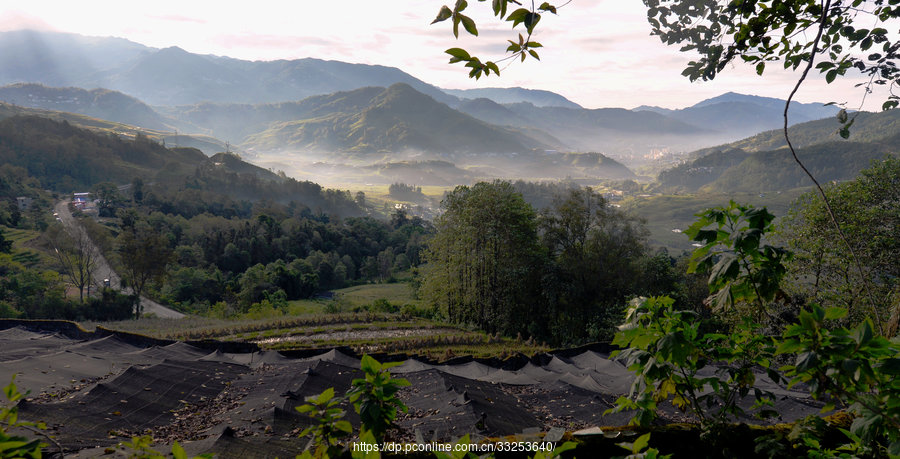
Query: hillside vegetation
x,y
396,119
762,163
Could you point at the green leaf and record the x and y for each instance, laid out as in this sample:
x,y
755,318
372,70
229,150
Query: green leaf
x,y
325,396
343,426
469,25
642,442
842,116
443,14
567,446
834,313
807,361
178,452
789,346
547,7
458,54
863,333
531,21
760,68
726,269
499,7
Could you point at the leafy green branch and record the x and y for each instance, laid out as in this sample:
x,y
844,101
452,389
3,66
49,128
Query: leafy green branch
x,y
330,425
521,49
375,398
16,445
666,350
852,366
741,266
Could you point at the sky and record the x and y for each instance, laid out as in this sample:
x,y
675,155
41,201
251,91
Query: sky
x,y
597,53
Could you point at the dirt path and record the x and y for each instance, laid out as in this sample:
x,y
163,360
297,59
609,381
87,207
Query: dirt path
x,y
104,270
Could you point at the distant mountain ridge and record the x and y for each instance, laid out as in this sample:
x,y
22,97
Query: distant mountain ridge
x,y
536,97
742,115
314,104
762,163
99,103
394,119
173,76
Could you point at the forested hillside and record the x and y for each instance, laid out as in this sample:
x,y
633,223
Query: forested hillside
x,y
67,158
762,163
99,103
396,119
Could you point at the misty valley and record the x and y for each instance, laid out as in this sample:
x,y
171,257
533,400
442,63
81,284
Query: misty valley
x,y
242,258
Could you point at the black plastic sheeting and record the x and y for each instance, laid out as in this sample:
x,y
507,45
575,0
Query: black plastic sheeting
x,y
136,400
94,390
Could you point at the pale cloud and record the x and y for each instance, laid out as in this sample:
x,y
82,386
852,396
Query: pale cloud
x,y
178,18
16,20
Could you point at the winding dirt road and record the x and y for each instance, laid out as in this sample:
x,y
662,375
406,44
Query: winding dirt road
x,y
105,271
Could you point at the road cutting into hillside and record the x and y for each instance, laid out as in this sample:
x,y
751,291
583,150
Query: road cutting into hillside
x,y
104,269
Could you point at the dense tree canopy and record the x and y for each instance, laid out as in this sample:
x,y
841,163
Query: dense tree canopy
x,y
562,275
595,254
868,208
485,258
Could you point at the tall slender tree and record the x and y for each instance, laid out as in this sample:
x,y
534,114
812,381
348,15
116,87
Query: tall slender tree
x,y
485,259
145,254
76,253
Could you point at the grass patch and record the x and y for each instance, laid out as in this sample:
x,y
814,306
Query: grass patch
x,y
304,307
399,293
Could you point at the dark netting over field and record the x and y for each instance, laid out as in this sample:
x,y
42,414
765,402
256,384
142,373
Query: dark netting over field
x,y
95,390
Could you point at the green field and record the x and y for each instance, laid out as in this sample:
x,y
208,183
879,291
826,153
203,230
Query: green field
x,y
21,252
665,213
307,324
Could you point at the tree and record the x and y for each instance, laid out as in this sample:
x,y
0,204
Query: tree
x,y
5,244
485,259
107,196
596,257
869,209
841,34
76,253
145,254
137,190
794,32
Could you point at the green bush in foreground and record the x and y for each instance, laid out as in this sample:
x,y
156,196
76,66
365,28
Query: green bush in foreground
x,y
852,369
16,445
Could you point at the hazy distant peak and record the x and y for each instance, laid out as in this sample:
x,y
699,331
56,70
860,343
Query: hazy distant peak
x,y
537,97
173,50
652,108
